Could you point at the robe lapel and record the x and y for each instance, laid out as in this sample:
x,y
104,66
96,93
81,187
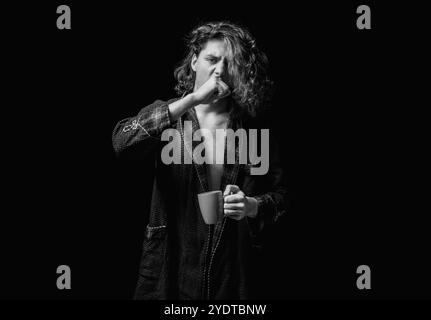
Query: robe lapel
x,y
230,175
190,146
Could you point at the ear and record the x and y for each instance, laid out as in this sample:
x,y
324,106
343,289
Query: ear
x,y
193,62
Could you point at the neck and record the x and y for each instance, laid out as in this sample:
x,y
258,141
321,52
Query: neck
x,y
219,107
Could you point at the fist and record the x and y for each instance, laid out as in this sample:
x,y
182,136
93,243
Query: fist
x,y
237,205
211,91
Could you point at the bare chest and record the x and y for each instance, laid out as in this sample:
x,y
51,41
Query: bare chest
x,y
214,143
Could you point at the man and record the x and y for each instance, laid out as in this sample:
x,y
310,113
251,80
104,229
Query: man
x,y
223,84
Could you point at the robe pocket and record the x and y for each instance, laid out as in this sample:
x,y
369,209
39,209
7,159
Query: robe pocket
x,y
154,248
153,261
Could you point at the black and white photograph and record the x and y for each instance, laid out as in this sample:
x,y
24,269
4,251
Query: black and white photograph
x,y
215,153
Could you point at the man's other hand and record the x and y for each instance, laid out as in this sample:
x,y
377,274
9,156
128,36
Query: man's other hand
x,y
237,205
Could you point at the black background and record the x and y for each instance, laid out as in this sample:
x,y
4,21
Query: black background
x,y
336,113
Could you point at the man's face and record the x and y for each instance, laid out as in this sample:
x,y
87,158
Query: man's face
x,y
213,58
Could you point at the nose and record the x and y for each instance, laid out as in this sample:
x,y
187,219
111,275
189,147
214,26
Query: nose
x,y
220,68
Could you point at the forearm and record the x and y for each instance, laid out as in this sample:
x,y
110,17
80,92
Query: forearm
x,y
179,107
269,208
145,128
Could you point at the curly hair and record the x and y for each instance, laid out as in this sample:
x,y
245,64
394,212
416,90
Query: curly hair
x,y
251,86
